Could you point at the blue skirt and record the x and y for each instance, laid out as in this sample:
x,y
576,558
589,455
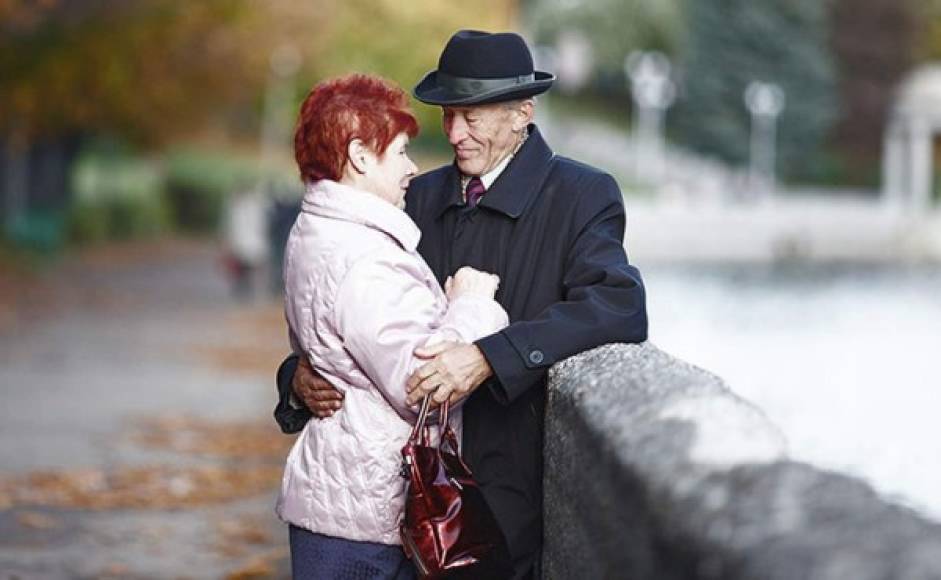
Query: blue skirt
x,y
318,557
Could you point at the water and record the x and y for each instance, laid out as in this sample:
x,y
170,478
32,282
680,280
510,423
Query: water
x,y
846,360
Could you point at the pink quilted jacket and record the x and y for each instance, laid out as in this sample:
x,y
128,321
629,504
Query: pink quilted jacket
x,y
358,301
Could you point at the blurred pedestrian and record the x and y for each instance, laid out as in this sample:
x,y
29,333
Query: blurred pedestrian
x,y
282,212
246,243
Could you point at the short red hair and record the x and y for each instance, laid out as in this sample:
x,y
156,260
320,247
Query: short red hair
x,y
337,111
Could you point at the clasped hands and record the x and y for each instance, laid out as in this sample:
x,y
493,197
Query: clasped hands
x,y
453,371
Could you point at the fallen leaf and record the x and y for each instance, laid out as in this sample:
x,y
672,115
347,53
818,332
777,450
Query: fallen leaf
x,y
37,521
157,487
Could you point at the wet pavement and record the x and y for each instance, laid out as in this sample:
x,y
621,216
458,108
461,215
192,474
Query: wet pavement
x,y
135,430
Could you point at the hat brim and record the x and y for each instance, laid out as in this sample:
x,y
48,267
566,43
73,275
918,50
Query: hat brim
x,y
430,92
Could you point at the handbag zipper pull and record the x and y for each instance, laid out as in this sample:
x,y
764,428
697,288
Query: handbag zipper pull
x,y
406,470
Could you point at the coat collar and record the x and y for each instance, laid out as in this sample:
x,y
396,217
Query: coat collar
x,y
338,201
515,188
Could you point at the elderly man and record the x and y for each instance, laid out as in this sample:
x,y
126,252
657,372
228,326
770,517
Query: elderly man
x,y
552,229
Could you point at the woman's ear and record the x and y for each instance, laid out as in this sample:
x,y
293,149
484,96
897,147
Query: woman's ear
x,y
356,154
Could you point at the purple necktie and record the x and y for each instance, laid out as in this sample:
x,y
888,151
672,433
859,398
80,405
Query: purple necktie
x,y
475,190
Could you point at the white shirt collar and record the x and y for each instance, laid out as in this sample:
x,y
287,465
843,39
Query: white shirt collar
x,y
492,175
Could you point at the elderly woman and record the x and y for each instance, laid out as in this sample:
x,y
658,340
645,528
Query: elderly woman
x,y
359,300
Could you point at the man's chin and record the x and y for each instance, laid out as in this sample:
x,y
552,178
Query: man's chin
x,y
468,167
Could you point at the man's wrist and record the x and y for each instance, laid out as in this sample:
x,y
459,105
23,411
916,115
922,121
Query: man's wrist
x,y
485,371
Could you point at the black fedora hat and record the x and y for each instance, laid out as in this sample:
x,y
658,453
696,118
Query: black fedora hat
x,y
477,67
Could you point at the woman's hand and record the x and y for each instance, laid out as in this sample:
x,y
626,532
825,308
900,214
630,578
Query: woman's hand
x,y
471,282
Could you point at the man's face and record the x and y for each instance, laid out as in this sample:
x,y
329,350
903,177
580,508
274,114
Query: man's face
x,y
482,135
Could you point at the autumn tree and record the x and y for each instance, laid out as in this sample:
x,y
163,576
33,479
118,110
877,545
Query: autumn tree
x,y
151,72
153,69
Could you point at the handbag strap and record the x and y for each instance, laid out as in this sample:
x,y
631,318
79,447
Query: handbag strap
x,y
419,434
443,417
447,434
419,427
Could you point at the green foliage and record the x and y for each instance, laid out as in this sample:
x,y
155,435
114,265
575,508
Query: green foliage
x,y
734,42
928,40
117,197
120,195
401,41
198,183
613,27
593,107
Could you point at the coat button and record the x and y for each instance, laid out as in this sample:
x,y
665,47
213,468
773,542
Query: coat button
x,y
536,357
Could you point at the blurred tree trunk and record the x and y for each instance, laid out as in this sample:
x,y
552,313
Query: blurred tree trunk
x,y
36,186
873,42
13,178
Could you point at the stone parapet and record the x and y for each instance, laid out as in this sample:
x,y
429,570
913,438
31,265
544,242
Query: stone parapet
x,y
656,470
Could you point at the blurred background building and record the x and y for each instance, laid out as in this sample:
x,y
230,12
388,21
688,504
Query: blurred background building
x,y
781,165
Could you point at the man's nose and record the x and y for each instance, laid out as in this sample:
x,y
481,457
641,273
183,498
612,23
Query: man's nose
x,y
457,131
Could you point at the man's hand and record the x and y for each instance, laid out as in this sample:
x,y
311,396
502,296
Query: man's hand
x,y
316,393
454,371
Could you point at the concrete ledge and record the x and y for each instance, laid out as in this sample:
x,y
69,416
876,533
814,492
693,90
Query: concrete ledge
x,y
655,470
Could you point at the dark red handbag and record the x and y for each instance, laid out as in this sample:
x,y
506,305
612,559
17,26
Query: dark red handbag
x,y
448,529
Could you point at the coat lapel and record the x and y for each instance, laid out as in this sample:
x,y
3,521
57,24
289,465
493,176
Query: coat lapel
x,y
520,183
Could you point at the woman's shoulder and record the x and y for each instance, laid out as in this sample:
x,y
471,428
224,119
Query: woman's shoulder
x,y
320,251
384,265
336,249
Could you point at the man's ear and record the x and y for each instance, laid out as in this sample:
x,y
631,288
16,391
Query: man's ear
x,y
524,115
356,153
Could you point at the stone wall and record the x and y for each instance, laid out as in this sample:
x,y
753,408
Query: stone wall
x,y
655,470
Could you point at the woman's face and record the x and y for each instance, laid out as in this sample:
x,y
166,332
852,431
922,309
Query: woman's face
x,y
390,172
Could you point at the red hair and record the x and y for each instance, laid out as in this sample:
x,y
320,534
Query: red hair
x,y
337,111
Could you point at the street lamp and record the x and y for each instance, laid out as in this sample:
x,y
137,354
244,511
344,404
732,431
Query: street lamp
x,y
653,92
765,101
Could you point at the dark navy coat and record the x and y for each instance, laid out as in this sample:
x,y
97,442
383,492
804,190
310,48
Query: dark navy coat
x,y
553,230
